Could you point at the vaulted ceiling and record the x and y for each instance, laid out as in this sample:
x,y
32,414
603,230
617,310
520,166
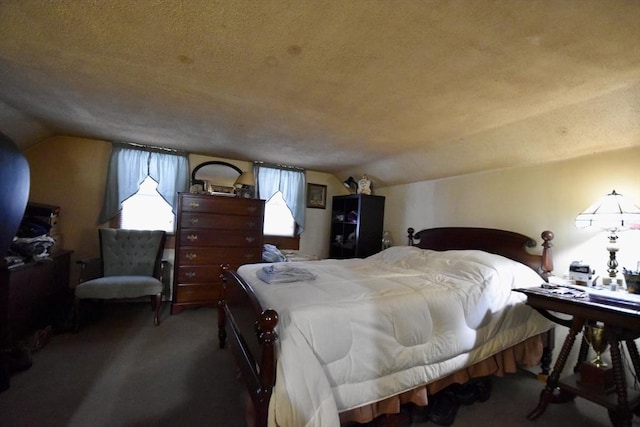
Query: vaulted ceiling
x,y
403,90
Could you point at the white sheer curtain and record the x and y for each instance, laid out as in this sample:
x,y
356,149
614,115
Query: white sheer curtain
x,y
289,181
129,166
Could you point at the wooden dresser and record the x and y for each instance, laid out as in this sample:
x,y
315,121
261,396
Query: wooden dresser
x,y
211,231
32,296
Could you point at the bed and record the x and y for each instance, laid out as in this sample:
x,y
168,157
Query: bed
x,y
365,336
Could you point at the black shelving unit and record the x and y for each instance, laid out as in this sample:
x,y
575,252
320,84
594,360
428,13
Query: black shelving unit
x,y
356,226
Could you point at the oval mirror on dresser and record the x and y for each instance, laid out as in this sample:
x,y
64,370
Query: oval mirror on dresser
x,y
214,176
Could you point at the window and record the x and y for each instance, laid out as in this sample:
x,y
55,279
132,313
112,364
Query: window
x,y
147,210
284,189
163,175
278,220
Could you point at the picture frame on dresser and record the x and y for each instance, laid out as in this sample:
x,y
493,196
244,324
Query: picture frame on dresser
x,y
316,196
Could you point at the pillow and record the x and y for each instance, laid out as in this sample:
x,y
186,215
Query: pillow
x,y
401,256
473,265
479,266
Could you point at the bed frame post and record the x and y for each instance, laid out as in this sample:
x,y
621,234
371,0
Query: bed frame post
x,y
546,267
410,232
266,336
222,318
546,264
253,335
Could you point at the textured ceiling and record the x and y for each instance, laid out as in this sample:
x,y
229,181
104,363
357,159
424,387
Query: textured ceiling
x,y
403,90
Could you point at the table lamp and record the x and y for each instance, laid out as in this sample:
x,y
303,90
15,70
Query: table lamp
x,y
245,185
613,213
247,179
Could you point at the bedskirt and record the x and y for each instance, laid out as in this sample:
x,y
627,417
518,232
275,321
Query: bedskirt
x,y
525,354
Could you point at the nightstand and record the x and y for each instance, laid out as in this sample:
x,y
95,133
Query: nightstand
x,y
621,325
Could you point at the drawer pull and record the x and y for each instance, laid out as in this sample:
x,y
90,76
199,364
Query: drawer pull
x,y
249,239
190,292
192,237
251,209
248,255
251,224
191,256
194,221
190,274
194,205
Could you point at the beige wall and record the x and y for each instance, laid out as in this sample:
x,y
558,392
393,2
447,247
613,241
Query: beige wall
x,y
527,200
71,172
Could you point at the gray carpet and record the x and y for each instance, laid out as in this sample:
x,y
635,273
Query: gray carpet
x,y
120,370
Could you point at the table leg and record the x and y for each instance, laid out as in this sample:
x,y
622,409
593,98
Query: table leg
x,y
635,356
582,354
547,395
622,415
635,359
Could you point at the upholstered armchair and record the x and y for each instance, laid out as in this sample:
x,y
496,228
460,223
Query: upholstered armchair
x,y
130,266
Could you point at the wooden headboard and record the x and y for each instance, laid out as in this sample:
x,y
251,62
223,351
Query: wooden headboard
x,y
501,242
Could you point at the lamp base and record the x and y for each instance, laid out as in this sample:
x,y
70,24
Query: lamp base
x,y
597,378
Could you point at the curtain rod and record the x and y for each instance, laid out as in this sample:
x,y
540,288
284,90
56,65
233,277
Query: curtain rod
x,y
151,147
258,162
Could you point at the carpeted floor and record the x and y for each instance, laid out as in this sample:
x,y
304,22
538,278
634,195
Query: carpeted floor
x,y
120,370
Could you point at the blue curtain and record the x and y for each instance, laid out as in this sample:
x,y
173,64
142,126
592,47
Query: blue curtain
x,y
290,182
129,166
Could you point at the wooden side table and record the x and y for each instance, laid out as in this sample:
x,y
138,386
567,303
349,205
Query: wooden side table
x,y
621,325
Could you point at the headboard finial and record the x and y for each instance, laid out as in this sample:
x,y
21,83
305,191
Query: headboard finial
x,y
547,260
410,232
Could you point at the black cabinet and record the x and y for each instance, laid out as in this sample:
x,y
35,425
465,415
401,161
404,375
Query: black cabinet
x,y
356,226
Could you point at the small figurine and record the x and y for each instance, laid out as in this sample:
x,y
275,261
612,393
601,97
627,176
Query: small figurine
x,y
364,185
387,241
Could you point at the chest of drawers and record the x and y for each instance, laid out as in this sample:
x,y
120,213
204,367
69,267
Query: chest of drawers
x,y
211,231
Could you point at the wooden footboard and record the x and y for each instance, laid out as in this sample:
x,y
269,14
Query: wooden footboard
x,y
252,331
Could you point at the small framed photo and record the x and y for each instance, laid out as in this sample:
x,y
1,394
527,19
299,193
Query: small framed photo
x,y
316,196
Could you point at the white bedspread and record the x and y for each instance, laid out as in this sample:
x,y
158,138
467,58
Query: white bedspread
x,y
367,329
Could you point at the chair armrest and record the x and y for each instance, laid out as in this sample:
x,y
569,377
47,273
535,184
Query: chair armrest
x,y
90,268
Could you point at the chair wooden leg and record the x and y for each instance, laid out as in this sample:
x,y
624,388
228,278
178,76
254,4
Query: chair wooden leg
x,y
156,302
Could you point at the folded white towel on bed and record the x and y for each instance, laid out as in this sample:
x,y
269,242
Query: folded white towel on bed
x,y
277,268
283,273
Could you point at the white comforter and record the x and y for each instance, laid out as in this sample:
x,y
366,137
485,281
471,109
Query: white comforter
x,y
367,329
